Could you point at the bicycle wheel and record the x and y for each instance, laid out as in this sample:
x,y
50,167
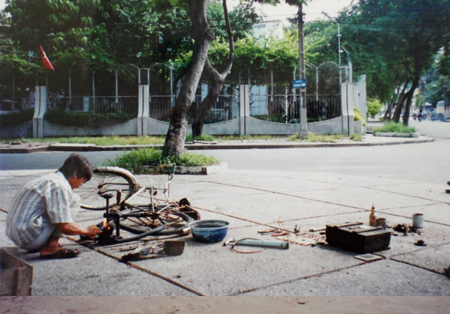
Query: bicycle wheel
x,y
107,180
137,221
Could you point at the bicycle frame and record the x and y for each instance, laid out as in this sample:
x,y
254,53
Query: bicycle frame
x,y
159,211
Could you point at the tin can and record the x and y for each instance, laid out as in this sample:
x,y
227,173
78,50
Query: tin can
x,y
417,220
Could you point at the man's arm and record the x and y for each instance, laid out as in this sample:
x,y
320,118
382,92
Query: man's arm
x,y
72,228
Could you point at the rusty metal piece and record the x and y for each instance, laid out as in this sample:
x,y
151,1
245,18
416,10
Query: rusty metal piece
x,y
279,234
315,230
130,248
267,231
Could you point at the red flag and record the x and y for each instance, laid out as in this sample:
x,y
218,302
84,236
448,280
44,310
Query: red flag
x,y
45,62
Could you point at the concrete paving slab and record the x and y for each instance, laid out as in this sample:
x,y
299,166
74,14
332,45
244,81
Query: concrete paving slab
x,y
213,269
268,207
82,276
384,277
284,184
437,213
4,240
363,198
433,192
421,258
7,174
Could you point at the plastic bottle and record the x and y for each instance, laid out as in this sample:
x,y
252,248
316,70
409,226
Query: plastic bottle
x,y
372,218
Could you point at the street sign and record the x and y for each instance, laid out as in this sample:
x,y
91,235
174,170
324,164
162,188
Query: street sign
x,y
299,83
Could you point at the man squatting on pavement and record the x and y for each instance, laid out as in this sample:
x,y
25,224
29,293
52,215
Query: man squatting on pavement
x,y
44,208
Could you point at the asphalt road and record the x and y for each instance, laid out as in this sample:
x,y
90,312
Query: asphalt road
x,y
426,162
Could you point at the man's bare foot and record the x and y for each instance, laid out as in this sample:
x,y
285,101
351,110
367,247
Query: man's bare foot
x,y
61,253
51,247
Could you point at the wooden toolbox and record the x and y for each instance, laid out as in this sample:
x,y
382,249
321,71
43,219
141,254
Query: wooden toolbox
x,y
16,276
358,238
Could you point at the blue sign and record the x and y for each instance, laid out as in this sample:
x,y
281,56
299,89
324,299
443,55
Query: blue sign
x,y
299,83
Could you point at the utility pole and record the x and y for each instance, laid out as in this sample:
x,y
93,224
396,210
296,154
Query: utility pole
x,y
339,46
303,132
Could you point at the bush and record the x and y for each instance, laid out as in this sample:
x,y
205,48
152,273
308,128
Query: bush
x,y
312,137
150,160
373,107
358,116
203,137
86,119
391,126
16,118
356,137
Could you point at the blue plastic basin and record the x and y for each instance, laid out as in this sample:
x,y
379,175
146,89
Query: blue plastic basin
x,y
209,231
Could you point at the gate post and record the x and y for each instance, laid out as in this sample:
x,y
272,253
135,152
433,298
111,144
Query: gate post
x,y
244,108
40,108
347,100
143,111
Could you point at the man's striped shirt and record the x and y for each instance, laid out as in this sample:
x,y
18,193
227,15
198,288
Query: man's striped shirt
x,y
39,205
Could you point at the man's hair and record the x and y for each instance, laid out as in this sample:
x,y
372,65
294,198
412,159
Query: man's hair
x,y
78,165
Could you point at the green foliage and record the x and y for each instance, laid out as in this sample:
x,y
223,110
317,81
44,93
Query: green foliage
x,y
434,84
312,137
85,119
245,137
263,55
358,116
149,160
356,137
393,42
373,107
272,118
16,118
203,137
391,126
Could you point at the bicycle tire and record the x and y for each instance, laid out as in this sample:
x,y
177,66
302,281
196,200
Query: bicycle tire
x,y
174,225
107,179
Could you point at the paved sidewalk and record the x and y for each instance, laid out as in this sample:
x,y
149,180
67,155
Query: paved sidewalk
x,y
252,201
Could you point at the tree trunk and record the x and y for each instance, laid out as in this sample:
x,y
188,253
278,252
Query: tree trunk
x,y
204,108
400,102
203,36
218,79
408,99
388,113
398,111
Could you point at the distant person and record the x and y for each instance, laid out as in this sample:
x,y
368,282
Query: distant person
x,y
44,209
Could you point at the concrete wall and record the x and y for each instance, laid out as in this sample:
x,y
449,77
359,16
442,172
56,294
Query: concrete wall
x,y
156,127
353,95
331,126
23,130
359,128
56,130
253,127
361,95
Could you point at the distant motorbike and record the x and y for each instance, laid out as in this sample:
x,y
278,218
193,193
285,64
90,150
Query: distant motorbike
x,y
414,117
420,117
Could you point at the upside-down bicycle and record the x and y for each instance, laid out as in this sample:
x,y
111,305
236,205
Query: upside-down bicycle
x,y
112,189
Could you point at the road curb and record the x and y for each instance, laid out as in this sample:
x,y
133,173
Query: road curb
x,y
23,150
10,149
